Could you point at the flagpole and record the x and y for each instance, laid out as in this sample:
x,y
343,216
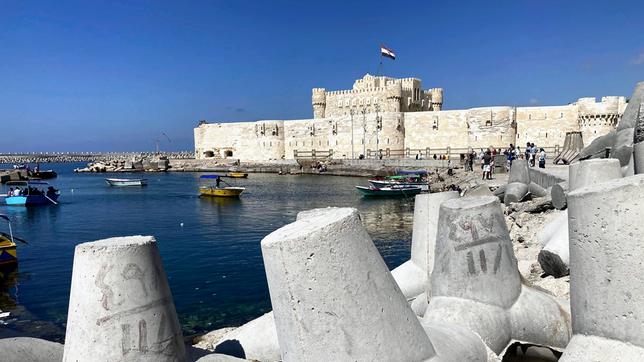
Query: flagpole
x,y
379,66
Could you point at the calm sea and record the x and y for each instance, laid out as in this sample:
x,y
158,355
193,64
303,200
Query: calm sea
x,y
210,247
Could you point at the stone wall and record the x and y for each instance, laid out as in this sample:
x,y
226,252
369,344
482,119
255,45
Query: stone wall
x,y
475,128
339,133
262,140
353,128
545,126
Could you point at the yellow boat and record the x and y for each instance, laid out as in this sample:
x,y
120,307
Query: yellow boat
x,y
221,192
216,190
237,174
8,255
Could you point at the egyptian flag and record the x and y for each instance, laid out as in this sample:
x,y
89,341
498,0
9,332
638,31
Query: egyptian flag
x,y
386,52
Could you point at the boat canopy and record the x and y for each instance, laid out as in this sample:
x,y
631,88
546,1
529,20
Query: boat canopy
x,y
210,176
403,177
26,183
411,172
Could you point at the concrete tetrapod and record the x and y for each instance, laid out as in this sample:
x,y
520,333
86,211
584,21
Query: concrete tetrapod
x,y
334,299
120,305
554,255
412,276
621,140
638,157
255,340
518,182
606,288
558,194
22,349
476,282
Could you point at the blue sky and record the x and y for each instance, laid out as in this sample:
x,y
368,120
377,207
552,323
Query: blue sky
x,y
114,75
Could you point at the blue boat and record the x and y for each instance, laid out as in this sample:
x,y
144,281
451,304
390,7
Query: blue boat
x,y
29,193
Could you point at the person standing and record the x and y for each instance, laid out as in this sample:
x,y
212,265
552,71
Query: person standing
x,y
487,160
470,159
533,154
542,158
509,156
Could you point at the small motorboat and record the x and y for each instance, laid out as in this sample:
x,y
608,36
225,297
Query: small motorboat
x,y
42,175
393,191
212,187
237,174
8,254
122,182
408,180
29,193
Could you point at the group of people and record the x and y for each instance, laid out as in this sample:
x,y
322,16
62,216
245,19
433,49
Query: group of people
x,y
30,191
486,157
531,154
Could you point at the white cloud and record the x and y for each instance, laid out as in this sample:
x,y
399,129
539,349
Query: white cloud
x,y
534,101
639,59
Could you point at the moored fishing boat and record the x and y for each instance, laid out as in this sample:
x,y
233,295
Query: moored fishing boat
x,y
121,182
395,191
237,174
414,180
212,187
29,193
8,254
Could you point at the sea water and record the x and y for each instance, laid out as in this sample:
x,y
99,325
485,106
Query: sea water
x,y
210,246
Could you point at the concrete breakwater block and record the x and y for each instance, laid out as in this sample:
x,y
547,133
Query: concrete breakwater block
x,y
519,172
412,276
593,171
255,340
638,156
554,256
476,282
606,288
621,140
22,349
334,299
558,195
518,182
120,306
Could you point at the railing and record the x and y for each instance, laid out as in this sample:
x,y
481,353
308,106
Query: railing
x,y
445,153
313,154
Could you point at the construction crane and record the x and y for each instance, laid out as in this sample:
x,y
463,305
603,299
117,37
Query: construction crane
x,y
159,138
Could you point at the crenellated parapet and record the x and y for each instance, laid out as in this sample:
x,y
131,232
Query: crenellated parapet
x,y
436,98
375,93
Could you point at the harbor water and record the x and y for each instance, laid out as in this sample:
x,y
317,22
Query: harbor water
x,y
210,247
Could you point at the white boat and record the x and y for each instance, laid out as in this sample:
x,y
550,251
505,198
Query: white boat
x,y
408,180
126,181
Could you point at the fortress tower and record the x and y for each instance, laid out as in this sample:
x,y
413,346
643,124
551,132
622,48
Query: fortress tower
x,y
394,97
319,102
436,98
598,118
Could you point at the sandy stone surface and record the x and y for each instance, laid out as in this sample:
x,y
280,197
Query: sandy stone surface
x,y
523,232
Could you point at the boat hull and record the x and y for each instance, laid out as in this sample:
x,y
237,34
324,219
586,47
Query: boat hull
x,y
389,192
384,183
126,182
221,192
8,254
237,174
30,200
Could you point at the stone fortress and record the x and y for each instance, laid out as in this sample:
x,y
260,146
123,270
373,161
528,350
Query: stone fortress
x,y
400,119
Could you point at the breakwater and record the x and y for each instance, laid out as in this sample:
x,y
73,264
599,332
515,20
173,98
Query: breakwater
x,y
64,157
